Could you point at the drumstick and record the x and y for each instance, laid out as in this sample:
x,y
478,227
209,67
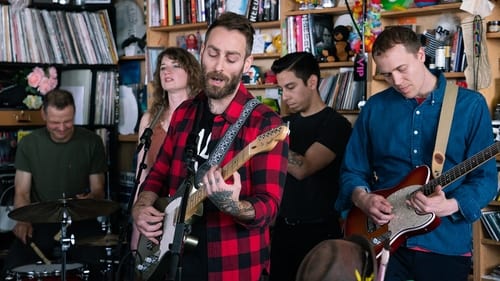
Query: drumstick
x,y
57,237
39,253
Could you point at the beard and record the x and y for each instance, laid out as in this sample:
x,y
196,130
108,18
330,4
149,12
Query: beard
x,y
230,84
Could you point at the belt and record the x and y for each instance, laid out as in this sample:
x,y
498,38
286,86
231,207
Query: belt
x,y
297,221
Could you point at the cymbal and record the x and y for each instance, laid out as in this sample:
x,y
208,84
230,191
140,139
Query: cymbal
x,y
104,241
52,211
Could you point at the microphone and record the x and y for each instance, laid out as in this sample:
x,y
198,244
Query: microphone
x,y
145,139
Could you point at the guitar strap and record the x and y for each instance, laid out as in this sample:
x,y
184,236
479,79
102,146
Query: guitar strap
x,y
443,132
222,146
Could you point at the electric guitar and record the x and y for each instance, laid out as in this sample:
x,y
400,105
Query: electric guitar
x,y
150,255
407,221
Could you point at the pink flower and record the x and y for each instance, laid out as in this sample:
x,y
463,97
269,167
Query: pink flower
x,y
45,86
42,81
35,77
53,73
52,83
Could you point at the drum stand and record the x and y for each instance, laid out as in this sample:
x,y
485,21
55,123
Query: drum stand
x,y
66,242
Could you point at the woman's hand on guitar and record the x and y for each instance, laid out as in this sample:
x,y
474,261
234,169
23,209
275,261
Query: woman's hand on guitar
x,y
373,205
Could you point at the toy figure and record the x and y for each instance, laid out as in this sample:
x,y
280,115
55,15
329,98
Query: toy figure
x,y
342,47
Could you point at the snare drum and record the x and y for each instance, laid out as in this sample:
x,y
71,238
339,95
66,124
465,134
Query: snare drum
x,y
50,272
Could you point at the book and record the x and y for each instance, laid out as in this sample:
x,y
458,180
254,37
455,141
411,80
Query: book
x,y
321,32
491,223
253,10
239,7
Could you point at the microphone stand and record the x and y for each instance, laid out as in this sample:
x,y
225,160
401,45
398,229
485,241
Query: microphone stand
x,y
144,144
174,266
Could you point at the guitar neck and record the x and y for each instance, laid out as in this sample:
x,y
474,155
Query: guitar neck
x,y
201,194
463,168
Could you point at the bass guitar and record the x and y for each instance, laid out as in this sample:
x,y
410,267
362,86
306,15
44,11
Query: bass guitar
x,y
150,255
407,221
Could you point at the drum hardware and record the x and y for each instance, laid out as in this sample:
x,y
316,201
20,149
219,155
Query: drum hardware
x,y
52,211
65,211
108,272
66,242
48,272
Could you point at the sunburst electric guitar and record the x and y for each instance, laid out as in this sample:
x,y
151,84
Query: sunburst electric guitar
x,y
407,222
149,255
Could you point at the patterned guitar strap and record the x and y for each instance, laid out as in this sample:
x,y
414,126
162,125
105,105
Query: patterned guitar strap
x,y
224,143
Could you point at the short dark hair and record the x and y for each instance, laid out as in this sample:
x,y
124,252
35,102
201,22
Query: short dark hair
x,y
393,35
302,64
59,99
233,21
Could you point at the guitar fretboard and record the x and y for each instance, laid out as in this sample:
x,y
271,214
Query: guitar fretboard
x,y
463,168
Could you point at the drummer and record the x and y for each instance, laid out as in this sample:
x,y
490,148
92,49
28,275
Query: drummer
x,y
54,162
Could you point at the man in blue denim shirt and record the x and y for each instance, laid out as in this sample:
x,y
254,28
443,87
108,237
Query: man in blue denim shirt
x,y
395,133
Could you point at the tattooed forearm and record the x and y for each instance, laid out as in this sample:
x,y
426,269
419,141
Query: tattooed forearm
x,y
295,159
240,209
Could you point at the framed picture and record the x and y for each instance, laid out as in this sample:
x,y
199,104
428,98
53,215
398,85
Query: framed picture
x,y
151,57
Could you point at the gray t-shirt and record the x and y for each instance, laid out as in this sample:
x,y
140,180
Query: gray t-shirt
x,y
58,168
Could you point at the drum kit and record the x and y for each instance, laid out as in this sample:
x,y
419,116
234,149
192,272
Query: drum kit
x,y
65,211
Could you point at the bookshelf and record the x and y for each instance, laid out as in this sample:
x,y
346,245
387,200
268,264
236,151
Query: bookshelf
x,y
163,36
67,37
486,250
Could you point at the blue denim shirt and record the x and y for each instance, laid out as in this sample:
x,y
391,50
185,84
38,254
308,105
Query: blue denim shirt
x,y
394,135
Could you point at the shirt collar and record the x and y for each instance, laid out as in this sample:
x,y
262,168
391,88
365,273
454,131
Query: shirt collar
x,y
437,94
236,106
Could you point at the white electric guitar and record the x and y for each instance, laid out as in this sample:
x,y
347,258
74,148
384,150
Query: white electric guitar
x,y
149,255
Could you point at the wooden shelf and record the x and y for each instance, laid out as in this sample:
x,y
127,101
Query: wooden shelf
x,y
266,24
493,35
449,75
128,138
336,64
203,25
488,241
266,56
331,11
132,58
261,86
423,11
26,118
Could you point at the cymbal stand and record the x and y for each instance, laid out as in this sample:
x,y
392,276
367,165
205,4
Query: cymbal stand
x,y
66,241
109,261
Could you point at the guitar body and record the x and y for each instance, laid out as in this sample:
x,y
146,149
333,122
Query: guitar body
x,y
149,253
406,223
150,261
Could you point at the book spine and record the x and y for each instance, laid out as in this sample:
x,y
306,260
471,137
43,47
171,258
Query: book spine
x,y
253,10
299,38
306,35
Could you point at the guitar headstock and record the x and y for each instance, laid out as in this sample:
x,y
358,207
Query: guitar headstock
x,y
268,140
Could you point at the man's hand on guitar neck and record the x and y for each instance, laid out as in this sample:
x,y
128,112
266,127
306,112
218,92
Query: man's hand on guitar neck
x,y
226,196
436,203
148,220
373,205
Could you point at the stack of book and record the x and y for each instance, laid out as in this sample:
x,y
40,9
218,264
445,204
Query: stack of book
x,y
62,37
172,12
493,275
491,222
340,91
